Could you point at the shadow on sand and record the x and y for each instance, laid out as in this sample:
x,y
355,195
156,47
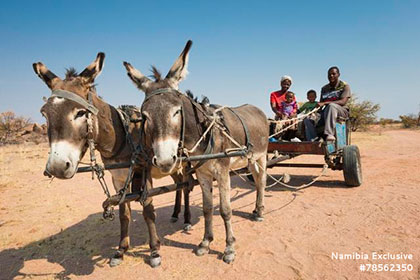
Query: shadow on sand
x,y
91,242
296,180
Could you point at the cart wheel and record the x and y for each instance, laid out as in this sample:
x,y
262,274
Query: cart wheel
x,y
352,166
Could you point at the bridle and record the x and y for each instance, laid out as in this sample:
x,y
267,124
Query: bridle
x,y
91,111
98,169
182,151
177,94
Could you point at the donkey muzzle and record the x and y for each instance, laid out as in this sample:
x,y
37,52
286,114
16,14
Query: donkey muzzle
x,y
63,160
166,165
60,169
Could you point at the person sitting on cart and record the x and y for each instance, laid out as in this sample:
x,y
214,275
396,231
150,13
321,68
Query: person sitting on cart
x,y
308,130
288,107
277,97
311,104
334,97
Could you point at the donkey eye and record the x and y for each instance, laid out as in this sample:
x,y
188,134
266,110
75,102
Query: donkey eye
x,y
177,112
145,116
80,114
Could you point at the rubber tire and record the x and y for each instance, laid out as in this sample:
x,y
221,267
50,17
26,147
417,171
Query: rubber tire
x,y
352,166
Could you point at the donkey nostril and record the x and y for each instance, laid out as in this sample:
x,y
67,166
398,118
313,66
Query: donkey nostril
x,y
154,161
67,165
174,158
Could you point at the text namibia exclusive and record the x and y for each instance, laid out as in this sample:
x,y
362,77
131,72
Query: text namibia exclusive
x,y
373,256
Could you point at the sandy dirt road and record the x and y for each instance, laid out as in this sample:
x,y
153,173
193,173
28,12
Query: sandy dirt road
x,y
54,230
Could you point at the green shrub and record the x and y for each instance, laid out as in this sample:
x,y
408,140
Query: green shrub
x,y
410,120
362,113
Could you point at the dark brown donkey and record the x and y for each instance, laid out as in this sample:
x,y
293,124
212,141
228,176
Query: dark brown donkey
x,y
171,117
68,131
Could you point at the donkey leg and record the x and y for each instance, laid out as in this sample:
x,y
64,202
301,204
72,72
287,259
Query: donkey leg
x,y
154,243
187,212
177,207
178,198
149,216
206,184
226,213
259,173
125,218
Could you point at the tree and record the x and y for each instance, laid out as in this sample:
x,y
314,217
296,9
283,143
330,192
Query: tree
x,y
362,113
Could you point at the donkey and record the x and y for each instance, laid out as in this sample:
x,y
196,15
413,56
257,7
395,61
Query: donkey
x,y
174,121
67,135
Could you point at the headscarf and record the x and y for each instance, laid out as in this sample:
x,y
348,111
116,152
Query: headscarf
x,y
285,77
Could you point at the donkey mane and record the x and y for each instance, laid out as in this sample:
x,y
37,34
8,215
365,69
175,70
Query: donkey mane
x,y
156,74
204,101
71,73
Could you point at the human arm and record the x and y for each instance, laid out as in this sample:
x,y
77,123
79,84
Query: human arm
x,y
275,107
302,108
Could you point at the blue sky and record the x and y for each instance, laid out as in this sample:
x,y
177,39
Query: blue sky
x,y
240,48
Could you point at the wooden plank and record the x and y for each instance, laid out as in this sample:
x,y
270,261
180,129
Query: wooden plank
x,y
311,148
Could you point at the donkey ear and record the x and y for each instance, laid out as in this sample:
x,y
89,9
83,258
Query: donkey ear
x,y
94,69
179,71
140,80
46,75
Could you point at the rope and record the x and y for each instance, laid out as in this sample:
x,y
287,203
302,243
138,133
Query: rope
x,y
278,181
303,186
213,122
293,120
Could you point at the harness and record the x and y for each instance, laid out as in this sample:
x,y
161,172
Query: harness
x,y
182,151
139,155
98,169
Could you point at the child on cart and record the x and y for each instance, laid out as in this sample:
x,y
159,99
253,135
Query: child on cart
x,y
311,104
286,109
310,133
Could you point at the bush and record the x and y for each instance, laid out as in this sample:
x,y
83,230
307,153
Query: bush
x,y
410,120
10,124
384,121
362,113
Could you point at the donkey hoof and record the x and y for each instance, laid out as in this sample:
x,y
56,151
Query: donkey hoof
x,y
229,257
115,261
257,217
201,251
174,219
155,260
187,227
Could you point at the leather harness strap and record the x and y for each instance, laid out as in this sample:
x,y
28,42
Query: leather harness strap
x,y
248,143
76,98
